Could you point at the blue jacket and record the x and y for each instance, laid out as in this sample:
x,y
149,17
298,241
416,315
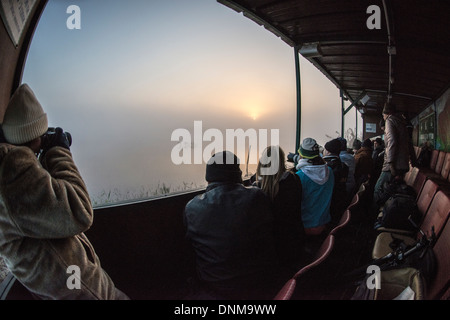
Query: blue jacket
x,y
317,185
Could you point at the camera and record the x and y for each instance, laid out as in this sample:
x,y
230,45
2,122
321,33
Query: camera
x,y
293,157
48,139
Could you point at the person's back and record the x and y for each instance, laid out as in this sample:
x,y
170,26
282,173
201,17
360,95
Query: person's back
x,y
340,171
317,188
44,210
289,229
363,163
230,228
284,189
349,160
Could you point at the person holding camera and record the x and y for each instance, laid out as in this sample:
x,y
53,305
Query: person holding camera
x,y
45,209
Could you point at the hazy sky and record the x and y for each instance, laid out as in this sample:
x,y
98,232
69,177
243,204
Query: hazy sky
x,y
136,72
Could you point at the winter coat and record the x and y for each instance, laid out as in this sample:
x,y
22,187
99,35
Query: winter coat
x,y
349,160
44,210
363,164
397,144
289,229
317,191
230,228
340,198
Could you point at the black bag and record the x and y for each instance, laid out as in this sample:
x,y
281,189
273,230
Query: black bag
x,y
397,210
393,188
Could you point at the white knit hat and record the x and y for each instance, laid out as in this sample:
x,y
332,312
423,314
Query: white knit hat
x,y
24,118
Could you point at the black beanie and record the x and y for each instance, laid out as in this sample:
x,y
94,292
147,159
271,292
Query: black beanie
x,y
334,146
367,143
223,167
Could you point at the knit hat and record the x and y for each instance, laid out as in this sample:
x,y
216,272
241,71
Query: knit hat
x,y
333,146
223,167
357,144
389,108
24,118
367,143
343,143
309,149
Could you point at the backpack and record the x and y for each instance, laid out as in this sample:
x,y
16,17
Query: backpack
x,y
397,210
394,188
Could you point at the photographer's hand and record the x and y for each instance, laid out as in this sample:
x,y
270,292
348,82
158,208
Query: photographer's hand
x,y
61,139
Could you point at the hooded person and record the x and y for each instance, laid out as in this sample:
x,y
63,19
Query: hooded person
x,y
45,210
230,228
317,185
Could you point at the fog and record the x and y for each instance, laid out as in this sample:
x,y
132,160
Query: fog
x,y
134,73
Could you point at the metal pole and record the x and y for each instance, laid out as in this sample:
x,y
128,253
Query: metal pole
x,y
299,98
342,113
356,133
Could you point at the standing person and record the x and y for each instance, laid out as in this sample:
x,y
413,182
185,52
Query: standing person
x,y
45,209
340,170
317,190
285,192
397,149
230,228
349,160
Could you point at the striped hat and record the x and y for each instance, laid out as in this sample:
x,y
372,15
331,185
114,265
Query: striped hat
x,y
309,149
24,118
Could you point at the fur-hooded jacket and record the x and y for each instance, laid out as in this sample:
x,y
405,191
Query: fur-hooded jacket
x,y
44,211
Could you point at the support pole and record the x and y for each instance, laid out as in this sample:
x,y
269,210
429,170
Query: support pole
x,y
342,113
299,98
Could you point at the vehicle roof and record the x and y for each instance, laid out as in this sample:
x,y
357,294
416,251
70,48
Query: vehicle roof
x,y
355,58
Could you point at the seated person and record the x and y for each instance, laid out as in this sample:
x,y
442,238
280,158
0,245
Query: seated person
x,y
363,163
285,192
349,160
317,189
230,228
340,170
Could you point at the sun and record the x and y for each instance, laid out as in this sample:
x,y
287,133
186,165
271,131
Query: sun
x,y
254,116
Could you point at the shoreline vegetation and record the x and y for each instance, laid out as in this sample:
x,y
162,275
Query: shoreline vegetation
x,y
117,196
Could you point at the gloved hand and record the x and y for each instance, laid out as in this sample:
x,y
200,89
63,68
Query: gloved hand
x,y
62,139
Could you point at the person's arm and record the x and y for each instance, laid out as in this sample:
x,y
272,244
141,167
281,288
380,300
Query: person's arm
x,y
45,201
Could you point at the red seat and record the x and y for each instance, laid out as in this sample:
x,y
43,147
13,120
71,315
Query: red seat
x,y
324,252
434,158
426,196
437,214
434,220
354,201
345,219
419,182
440,162
446,166
411,176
